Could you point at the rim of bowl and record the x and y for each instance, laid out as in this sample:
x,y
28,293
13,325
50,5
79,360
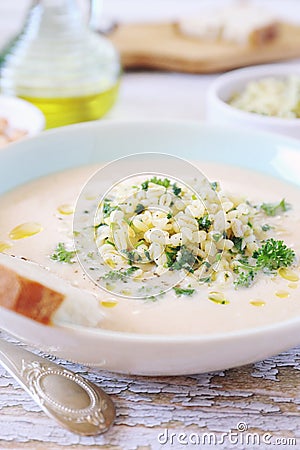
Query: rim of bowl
x,y
229,79
180,338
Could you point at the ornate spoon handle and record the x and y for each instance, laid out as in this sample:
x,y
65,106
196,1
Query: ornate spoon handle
x,y
77,404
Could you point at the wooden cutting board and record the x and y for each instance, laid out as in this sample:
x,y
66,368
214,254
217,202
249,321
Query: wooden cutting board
x,y
162,46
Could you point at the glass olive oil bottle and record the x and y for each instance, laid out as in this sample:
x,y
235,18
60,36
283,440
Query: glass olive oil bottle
x,y
57,63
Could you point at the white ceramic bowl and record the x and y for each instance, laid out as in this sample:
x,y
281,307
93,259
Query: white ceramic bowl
x,y
22,115
221,90
141,353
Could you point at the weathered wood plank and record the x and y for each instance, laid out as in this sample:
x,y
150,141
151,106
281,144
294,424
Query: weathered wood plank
x,y
265,396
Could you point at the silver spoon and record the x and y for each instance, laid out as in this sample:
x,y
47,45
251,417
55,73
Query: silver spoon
x,y
77,404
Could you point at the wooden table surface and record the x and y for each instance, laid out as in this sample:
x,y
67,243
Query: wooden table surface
x,y
263,399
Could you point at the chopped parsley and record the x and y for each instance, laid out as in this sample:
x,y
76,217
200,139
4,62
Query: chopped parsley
x,y
139,208
204,223
180,291
161,182
185,259
107,209
171,253
132,256
115,275
145,185
238,244
245,279
273,209
217,236
165,182
176,189
205,279
61,254
147,254
214,185
266,227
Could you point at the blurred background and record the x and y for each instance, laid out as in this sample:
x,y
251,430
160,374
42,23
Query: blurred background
x,y
162,88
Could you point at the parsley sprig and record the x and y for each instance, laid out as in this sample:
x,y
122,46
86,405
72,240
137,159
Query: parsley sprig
x,y
271,256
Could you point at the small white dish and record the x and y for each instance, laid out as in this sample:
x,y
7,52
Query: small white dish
x,y
22,115
221,90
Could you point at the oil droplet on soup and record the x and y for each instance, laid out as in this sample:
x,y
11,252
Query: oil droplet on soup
x,y
282,294
109,304
257,303
4,246
65,209
288,274
25,230
218,297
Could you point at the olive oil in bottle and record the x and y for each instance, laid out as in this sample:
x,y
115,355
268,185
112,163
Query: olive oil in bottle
x,y
61,66
61,111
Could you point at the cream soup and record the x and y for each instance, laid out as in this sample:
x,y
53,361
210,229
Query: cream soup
x,y
39,215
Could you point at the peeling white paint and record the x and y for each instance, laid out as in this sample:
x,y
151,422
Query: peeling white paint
x,y
265,395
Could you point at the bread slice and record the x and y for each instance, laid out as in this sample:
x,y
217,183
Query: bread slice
x,y
33,291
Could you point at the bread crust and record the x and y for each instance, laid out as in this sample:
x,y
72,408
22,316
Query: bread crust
x,y
27,297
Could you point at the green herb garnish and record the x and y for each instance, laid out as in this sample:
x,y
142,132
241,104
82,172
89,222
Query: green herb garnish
x,y
147,254
61,254
145,185
132,256
205,280
171,253
204,223
185,259
273,255
107,209
266,227
238,244
176,189
214,185
273,209
245,279
161,182
180,291
217,236
115,275
139,208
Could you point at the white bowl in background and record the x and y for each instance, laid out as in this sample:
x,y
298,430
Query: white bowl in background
x,y
221,113
22,115
99,142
